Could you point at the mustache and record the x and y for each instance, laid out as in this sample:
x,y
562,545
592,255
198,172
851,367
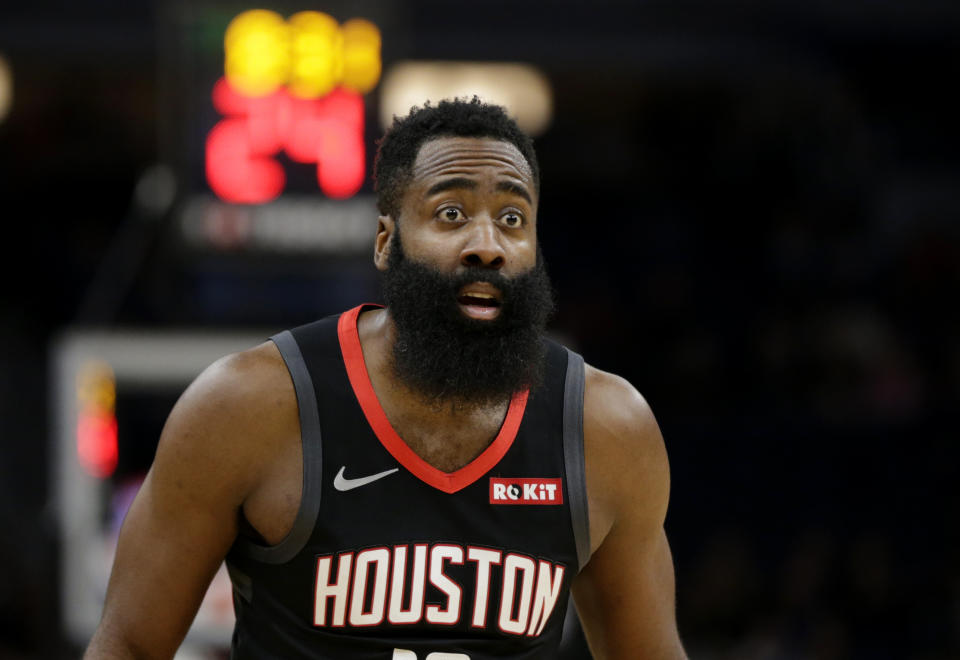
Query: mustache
x,y
514,291
480,274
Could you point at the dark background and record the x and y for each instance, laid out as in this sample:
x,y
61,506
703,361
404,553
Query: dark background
x,y
749,210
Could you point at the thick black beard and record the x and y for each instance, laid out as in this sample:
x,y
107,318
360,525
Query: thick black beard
x,y
449,358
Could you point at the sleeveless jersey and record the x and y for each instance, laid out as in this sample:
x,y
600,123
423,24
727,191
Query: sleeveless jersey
x,y
390,558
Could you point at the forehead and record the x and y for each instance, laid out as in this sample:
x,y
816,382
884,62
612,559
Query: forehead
x,y
464,156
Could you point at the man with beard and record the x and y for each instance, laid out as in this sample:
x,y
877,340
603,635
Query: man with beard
x,y
428,480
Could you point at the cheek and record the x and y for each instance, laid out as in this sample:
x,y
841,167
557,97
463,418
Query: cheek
x,y
431,248
526,253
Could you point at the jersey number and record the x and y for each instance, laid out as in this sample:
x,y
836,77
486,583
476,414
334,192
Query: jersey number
x,y
404,654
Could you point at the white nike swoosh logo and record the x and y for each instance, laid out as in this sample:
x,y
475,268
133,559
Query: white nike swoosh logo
x,y
344,484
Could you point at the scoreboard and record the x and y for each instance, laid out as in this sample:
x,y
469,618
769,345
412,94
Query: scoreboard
x,y
295,87
265,114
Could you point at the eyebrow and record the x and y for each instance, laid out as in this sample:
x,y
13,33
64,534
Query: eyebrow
x,y
463,183
451,184
516,189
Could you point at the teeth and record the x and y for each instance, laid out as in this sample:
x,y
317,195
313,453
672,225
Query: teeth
x,y
485,296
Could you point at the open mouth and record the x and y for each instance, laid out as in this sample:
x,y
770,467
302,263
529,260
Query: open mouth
x,y
480,301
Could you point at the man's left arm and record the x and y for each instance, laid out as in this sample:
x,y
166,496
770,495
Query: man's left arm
x,y
625,593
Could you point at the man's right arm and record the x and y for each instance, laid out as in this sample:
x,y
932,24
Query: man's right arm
x,y
212,452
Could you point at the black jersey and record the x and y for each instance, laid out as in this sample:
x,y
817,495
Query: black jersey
x,y
390,558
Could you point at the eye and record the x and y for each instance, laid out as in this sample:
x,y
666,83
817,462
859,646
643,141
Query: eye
x,y
512,220
451,214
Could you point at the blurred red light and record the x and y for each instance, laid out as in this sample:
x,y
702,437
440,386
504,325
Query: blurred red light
x,y
227,101
327,131
234,173
340,161
97,443
341,165
305,130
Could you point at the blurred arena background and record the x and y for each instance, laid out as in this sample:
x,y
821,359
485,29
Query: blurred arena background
x,y
749,209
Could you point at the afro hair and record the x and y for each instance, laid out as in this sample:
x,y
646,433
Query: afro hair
x,y
398,149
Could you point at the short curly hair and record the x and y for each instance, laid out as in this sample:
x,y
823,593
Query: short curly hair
x,y
398,148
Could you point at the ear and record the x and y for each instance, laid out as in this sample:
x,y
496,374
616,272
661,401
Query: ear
x,y
381,244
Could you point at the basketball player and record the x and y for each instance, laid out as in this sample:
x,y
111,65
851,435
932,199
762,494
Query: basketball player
x,y
424,480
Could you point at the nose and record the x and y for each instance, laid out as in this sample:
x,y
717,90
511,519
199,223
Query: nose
x,y
483,247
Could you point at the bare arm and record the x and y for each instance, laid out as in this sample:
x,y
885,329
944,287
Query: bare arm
x,y
211,455
625,594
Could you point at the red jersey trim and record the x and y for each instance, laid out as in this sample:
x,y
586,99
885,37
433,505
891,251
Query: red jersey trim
x,y
448,482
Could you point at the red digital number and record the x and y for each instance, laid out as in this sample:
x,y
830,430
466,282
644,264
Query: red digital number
x,y
240,149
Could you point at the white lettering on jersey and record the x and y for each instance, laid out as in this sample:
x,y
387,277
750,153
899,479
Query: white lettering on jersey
x,y
379,560
397,614
373,586
337,590
545,596
512,565
484,559
440,554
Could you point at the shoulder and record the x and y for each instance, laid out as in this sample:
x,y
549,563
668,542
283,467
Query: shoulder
x,y
628,473
239,388
244,377
619,424
618,413
232,417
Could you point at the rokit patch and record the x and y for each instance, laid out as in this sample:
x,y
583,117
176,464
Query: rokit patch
x,y
525,491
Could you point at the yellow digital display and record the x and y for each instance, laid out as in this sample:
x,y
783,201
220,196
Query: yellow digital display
x,y
257,52
310,53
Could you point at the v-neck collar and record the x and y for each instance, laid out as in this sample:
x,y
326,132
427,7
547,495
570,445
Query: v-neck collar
x,y
448,482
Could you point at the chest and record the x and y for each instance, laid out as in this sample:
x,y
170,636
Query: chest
x,y
448,444
442,442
